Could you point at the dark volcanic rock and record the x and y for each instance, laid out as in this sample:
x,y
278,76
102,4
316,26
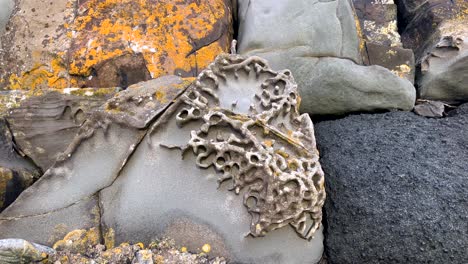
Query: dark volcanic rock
x,y
396,188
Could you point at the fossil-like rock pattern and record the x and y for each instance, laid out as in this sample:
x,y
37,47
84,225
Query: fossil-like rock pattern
x,y
229,162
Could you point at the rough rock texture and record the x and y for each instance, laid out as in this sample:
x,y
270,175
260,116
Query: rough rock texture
x,y
229,163
6,7
320,45
16,172
65,252
308,28
437,32
109,43
13,251
44,125
396,188
378,24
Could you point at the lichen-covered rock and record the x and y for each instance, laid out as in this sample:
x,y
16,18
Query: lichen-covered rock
x,y
44,125
16,172
226,166
5,12
14,251
109,43
378,23
396,188
437,32
324,60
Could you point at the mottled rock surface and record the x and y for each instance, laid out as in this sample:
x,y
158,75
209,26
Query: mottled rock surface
x,y
110,43
378,24
437,31
319,43
44,125
16,172
229,163
396,188
6,7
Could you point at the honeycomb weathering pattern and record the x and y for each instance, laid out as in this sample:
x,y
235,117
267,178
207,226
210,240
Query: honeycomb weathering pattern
x,y
251,133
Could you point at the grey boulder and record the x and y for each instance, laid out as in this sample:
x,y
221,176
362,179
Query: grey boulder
x,y
324,60
396,188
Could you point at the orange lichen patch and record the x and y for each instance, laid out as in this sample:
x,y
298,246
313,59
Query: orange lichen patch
x,y
78,240
52,75
165,32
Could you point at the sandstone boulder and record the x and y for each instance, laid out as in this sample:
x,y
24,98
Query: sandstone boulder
x,y
319,43
396,188
226,165
109,43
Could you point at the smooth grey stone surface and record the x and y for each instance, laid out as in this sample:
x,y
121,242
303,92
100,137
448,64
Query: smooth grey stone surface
x,y
396,188
312,38
6,7
330,86
313,28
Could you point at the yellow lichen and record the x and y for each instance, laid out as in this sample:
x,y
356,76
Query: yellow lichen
x,y
78,240
206,248
109,238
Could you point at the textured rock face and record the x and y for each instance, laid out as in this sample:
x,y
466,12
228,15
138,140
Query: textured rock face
x,y
378,23
109,43
6,7
308,28
437,32
16,172
14,251
396,188
43,126
229,163
322,57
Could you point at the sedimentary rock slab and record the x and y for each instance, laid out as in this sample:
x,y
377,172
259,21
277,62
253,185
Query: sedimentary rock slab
x,y
44,125
110,43
396,188
229,163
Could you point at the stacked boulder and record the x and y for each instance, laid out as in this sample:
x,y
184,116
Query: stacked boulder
x,y
319,43
437,31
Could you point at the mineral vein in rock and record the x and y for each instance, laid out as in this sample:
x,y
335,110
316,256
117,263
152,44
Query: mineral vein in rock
x,y
252,134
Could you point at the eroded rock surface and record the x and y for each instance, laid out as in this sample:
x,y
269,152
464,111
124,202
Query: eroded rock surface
x,y
229,163
320,45
396,188
111,43
44,125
